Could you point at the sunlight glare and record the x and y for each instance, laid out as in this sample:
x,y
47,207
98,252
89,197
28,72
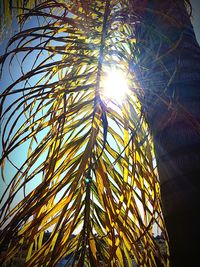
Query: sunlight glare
x,y
115,85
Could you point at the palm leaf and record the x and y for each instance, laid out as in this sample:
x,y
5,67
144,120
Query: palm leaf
x,y
87,169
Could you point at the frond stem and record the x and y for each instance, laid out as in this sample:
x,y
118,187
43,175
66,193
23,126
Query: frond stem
x,y
101,50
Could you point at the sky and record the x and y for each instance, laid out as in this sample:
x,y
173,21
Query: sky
x,y
196,18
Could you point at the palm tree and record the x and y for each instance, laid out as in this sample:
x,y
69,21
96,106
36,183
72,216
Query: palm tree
x,y
90,159
171,75
88,174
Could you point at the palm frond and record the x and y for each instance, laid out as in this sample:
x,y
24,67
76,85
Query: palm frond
x,y
9,11
86,167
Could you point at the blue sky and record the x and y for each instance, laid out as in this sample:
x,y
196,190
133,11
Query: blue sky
x,y
196,18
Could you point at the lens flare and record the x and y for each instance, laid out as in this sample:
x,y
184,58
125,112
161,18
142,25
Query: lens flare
x,y
115,86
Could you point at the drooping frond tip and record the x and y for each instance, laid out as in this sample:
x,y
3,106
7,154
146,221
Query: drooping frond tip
x,y
9,11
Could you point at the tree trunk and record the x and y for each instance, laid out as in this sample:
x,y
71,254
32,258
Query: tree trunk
x,y
169,70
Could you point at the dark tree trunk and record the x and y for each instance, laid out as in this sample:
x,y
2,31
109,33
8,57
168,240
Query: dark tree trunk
x,y
170,74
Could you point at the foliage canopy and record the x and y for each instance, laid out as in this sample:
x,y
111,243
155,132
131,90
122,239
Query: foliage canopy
x,y
88,170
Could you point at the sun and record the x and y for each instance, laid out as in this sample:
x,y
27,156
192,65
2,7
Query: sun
x,y
115,85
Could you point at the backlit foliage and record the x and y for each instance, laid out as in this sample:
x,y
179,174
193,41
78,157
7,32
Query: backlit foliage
x,y
86,170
